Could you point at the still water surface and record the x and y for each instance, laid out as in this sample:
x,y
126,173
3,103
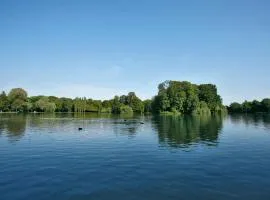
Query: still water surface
x,y
218,157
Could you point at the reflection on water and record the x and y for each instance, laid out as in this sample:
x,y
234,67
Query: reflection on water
x,y
44,156
127,126
185,130
173,131
15,126
251,119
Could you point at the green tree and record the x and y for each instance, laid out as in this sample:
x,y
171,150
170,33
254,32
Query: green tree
x,y
80,104
28,106
17,98
50,107
177,97
45,105
251,107
124,109
135,103
123,99
33,101
266,105
178,101
107,104
66,104
4,104
246,107
176,94
208,94
202,108
164,102
173,96
147,106
235,107
116,105
58,103
192,101
18,105
132,101
256,106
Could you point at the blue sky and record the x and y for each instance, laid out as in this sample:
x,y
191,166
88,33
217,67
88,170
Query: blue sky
x,y
100,48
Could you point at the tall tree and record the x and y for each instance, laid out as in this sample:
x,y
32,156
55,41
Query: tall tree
x,y
176,96
123,99
147,106
135,103
45,105
116,105
246,107
235,107
17,98
208,94
256,106
266,105
4,104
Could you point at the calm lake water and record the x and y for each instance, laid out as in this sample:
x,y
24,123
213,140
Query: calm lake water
x,y
218,157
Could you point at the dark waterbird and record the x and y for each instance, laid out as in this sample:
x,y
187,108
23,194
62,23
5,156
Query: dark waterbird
x,y
80,129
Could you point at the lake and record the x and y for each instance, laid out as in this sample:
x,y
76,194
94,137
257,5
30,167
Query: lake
x,y
134,157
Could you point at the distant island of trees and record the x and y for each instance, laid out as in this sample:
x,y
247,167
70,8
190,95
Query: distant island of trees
x,y
173,97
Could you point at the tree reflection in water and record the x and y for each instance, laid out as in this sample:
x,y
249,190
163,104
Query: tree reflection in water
x,y
14,125
173,131
182,131
259,119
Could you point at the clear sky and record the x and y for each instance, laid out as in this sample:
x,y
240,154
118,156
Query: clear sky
x,y
99,48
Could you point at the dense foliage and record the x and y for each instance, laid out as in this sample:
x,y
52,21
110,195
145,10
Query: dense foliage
x,y
185,97
173,97
18,101
250,106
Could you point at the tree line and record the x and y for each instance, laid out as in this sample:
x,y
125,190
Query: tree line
x,y
254,106
173,97
17,100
